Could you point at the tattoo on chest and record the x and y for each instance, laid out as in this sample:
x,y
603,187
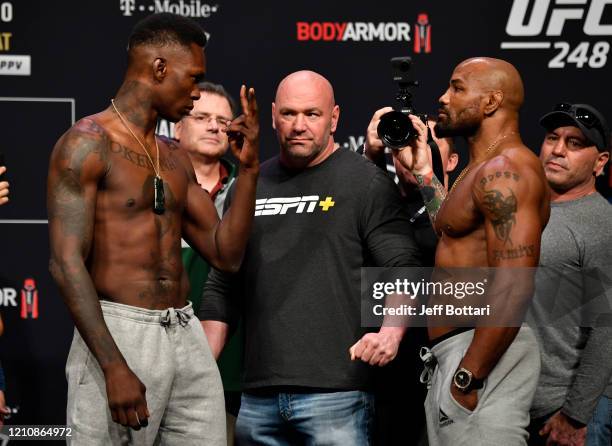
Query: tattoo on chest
x,y
166,163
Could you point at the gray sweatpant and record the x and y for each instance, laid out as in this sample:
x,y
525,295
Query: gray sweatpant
x,y
502,414
169,353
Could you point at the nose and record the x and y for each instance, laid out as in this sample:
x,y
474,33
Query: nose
x,y
443,100
195,93
559,148
213,124
299,124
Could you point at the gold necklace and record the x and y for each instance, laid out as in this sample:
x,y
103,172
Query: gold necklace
x,y
465,171
158,184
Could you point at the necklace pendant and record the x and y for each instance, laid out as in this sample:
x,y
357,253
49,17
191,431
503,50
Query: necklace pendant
x,y
159,206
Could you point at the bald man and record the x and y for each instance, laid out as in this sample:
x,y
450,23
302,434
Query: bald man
x,y
307,359
493,216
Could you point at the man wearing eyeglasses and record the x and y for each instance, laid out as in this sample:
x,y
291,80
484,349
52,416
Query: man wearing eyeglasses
x,y
202,134
575,338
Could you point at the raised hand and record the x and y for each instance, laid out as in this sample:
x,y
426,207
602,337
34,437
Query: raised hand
x,y
243,132
416,156
374,147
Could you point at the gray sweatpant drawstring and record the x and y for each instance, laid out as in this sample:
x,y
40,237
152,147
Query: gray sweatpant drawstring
x,y
429,366
181,317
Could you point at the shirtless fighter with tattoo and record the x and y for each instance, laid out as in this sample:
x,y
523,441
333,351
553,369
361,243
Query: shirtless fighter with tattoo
x,y
482,386
119,199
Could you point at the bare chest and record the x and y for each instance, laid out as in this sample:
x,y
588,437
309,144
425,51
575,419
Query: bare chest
x,y
458,215
129,185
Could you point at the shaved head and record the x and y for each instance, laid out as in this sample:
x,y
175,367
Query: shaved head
x,y
306,81
480,89
494,75
304,115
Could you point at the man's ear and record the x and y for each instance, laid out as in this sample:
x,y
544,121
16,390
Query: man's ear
x,y
334,118
494,101
273,110
452,162
160,69
178,129
600,163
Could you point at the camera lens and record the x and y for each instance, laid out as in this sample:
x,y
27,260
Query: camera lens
x,y
395,129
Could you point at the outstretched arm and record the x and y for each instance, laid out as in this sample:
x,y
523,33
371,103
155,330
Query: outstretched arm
x,y
223,243
77,163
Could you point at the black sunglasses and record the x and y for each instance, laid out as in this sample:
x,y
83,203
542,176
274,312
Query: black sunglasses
x,y
583,115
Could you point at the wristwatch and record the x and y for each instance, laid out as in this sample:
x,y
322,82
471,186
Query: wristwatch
x,y
465,381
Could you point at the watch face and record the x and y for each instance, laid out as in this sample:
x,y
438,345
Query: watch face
x,y
462,379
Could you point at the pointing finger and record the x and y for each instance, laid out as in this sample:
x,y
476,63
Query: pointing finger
x,y
244,102
253,102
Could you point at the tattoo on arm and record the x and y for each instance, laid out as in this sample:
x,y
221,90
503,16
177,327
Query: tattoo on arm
x,y
503,212
433,193
502,209
515,253
78,161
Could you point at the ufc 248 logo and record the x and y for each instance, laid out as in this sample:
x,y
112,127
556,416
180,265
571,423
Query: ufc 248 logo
x,y
542,19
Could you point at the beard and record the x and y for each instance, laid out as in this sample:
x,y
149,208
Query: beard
x,y
465,123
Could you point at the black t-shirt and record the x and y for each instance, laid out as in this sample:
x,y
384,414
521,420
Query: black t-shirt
x,y
299,284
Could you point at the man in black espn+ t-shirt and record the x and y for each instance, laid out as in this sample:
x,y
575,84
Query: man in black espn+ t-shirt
x,y
321,214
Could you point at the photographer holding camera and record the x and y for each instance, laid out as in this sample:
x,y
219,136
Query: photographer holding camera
x,y
374,149
397,389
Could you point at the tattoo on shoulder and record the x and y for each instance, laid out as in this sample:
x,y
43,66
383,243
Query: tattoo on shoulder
x,y
499,174
87,139
172,145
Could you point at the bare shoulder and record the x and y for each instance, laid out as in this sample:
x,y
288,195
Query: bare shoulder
x,y
516,171
169,144
87,134
85,144
173,149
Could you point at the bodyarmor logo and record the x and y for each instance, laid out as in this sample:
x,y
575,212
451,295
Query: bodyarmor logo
x,y
422,34
29,299
532,25
354,31
127,6
280,205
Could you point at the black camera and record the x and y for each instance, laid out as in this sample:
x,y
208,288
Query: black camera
x,y
395,128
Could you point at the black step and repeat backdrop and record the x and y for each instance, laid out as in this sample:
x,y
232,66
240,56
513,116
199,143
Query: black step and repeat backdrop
x,y
62,60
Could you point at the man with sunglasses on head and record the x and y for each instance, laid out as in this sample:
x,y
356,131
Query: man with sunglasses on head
x,y
575,387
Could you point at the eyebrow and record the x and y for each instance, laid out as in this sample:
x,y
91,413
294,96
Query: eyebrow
x,y
579,138
308,110
205,115
456,81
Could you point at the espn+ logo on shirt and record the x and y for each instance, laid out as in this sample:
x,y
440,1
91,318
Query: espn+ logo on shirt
x,y
306,204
